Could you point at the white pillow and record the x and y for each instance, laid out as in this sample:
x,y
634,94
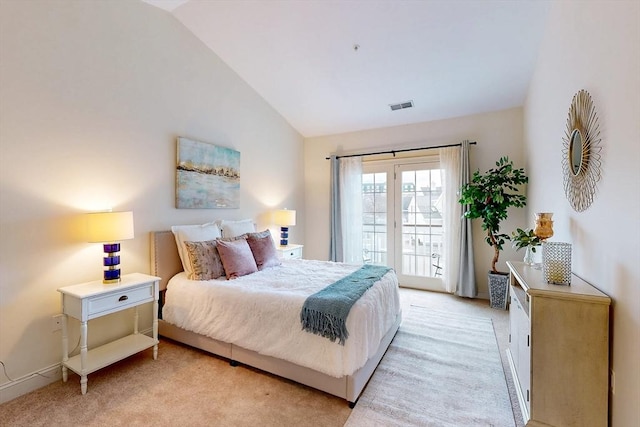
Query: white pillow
x,y
193,233
237,228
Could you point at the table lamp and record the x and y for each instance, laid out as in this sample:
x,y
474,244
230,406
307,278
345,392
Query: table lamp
x,y
109,228
284,218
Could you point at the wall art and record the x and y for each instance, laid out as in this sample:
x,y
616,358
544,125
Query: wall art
x,y
207,176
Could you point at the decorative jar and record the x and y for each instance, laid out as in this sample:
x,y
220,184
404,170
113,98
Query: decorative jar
x,y
544,225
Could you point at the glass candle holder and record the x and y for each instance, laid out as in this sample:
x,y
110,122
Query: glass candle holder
x,y
556,262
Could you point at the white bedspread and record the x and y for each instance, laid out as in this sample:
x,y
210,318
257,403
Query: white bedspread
x,y
261,312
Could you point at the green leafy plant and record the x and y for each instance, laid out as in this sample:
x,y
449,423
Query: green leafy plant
x,y
521,239
489,196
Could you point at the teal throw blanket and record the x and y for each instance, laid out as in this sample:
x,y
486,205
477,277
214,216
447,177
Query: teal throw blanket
x,y
325,312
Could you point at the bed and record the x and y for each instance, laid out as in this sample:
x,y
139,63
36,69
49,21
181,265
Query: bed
x,y
346,380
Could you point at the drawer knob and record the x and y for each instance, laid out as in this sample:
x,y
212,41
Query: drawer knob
x,y
123,298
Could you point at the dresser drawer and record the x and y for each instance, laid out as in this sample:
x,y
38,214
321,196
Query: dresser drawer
x,y
121,299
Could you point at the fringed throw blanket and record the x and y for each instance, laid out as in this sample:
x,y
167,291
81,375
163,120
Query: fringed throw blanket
x,y
325,312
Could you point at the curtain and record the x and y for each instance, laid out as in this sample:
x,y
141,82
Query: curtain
x,y
450,163
346,210
466,273
335,242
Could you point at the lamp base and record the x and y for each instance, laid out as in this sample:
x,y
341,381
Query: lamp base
x,y
284,236
111,276
112,263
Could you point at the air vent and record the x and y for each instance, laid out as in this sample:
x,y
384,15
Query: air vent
x,y
401,106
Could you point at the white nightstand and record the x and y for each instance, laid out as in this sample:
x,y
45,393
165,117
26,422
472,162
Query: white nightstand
x,y
90,300
290,251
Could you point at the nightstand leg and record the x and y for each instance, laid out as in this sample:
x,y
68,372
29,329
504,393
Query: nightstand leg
x,y
65,348
83,356
135,321
83,384
155,329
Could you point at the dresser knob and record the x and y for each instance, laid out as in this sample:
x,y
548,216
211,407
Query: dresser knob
x,y
123,298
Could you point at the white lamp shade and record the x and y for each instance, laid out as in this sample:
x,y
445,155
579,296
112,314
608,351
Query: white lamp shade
x,y
284,217
109,226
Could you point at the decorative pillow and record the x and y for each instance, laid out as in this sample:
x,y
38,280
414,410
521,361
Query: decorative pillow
x,y
231,239
193,233
237,228
259,234
264,250
237,258
204,260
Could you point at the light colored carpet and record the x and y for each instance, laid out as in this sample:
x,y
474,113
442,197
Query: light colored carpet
x,y
184,387
442,369
187,387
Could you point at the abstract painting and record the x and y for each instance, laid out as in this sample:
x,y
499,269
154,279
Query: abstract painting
x,y
207,176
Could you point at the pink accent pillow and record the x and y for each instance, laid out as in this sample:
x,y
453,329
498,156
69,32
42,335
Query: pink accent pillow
x,y
264,250
237,258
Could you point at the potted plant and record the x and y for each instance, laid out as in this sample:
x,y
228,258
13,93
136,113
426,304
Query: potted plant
x,y
528,240
488,197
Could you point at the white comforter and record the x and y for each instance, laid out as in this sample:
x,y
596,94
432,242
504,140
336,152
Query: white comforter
x,y
261,312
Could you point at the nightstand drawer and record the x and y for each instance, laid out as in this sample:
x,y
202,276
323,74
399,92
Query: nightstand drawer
x,y
117,300
291,253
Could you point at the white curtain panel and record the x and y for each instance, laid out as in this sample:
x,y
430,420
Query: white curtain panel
x,y
350,182
450,164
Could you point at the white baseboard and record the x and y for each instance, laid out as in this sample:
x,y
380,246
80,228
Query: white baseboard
x,y
30,382
35,380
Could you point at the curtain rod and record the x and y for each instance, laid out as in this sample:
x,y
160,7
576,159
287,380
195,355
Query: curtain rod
x,y
400,151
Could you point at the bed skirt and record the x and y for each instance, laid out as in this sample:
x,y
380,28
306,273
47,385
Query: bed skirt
x,y
348,387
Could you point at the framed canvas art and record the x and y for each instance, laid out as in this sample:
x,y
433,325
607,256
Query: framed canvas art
x,y
207,176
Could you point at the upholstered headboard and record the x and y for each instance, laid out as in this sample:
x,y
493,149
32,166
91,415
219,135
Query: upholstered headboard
x,y
165,261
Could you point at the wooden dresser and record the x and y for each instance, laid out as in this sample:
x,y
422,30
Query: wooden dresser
x,y
558,349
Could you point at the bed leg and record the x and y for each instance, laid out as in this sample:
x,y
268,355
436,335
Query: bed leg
x,y
233,363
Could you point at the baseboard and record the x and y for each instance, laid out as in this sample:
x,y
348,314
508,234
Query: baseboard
x,y
480,295
483,295
30,382
35,380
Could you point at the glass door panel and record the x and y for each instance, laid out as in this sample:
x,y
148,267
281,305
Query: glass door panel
x,y
375,218
419,225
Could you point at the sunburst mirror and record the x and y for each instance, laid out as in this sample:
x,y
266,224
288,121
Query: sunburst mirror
x,y
581,152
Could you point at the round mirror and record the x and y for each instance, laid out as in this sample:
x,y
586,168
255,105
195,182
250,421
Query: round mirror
x,y
575,152
581,152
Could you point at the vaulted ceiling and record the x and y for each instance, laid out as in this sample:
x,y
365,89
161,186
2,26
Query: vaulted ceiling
x,y
333,66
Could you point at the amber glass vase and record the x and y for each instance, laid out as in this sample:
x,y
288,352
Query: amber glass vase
x,y
544,225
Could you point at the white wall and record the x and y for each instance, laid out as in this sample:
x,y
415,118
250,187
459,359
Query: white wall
x,y
595,46
94,94
497,134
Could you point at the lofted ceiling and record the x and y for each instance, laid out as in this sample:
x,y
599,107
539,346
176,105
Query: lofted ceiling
x,y
334,66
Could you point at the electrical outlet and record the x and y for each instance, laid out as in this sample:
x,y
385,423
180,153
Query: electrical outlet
x,y
613,382
56,322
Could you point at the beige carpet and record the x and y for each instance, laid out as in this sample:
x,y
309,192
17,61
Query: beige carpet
x,y
441,369
186,387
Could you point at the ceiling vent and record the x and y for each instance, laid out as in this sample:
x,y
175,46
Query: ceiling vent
x,y
401,106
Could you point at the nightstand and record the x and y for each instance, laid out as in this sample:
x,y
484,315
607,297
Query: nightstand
x,y
91,300
290,251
